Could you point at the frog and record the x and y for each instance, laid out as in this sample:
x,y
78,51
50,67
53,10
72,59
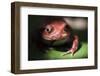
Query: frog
x,y
56,29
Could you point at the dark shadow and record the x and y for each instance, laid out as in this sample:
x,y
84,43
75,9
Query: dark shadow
x,y
64,48
82,34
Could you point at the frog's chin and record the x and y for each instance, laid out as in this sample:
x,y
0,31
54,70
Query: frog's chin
x,y
52,39
49,39
45,38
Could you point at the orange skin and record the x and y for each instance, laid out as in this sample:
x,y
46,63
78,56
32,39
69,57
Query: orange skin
x,y
55,31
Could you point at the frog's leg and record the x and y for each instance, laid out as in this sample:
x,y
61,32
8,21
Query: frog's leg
x,y
74,46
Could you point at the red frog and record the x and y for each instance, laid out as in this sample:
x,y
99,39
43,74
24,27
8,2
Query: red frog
x,y
58,29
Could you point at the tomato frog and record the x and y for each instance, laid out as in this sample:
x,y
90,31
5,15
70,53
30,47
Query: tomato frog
x,y
56,29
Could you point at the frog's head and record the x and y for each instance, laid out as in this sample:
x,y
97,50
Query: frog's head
x,y
56,29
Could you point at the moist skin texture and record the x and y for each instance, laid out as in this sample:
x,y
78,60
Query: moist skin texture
x,y
58,30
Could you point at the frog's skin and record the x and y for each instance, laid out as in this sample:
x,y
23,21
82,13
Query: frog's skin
x,y
57,30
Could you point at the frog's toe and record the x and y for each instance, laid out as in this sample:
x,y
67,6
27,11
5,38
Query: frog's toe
x,y
68,52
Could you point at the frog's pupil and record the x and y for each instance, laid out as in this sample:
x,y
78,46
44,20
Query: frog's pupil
x,y
48,30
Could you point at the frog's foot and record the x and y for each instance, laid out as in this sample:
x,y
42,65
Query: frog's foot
x,y
74,47
68,52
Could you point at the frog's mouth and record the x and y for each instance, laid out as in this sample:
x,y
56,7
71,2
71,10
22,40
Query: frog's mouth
x,y
51,38
55,37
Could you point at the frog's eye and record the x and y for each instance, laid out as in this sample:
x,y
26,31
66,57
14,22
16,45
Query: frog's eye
x,y
48,29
